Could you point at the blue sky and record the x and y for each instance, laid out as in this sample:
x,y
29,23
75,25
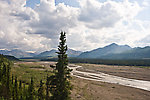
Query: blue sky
x,y
32,3
74,3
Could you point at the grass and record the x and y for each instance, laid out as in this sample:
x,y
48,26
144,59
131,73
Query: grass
x,y
24,72
30,66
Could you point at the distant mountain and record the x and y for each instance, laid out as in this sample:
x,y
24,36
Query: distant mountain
x,y
112,51
52,53
135,53
101,52
17,53
73,53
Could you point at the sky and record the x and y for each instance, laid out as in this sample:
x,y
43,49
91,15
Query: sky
x,y
34,25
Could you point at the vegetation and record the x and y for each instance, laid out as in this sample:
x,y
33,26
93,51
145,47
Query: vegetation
x,y
11,57
10,88
5,86
41,91
56,87
131,62
60,82
26,71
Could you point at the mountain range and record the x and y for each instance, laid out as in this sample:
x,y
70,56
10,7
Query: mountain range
x,y
107,50
115,51
112,51
134,53
17,53
52,53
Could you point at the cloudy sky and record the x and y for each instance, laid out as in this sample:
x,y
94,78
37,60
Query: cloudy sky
x,y
34,25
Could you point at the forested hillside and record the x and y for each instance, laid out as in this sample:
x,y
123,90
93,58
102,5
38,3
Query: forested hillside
x,y
56,86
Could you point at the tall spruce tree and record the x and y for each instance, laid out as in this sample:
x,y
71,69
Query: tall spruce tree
x,y
24,93
4,77
41,91
60,86
16,88
12,79
8,80
31,90
47,88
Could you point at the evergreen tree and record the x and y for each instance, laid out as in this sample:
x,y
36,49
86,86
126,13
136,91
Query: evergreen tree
x,y
60,82
4,73
13,93
41,91
31,90
4,77
1,67
12,80
47,88
20,85
24,93
8,80
20,90
16,88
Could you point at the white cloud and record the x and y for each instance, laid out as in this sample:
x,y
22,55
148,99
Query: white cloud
x,y
146,3
98,15
92,25
53,19
14,26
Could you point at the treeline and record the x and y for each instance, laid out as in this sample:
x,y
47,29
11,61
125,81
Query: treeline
x,y
13,89
5,77
10,57
56,87
129,62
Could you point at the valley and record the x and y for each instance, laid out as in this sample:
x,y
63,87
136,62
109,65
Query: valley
x,y
74,50
89,89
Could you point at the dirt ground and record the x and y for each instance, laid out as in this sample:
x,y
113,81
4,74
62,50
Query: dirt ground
x,y
139,73
93,90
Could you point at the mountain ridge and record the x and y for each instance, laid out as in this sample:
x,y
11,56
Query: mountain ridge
x,y
118,52
52,53
109,49
112,51
16,53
